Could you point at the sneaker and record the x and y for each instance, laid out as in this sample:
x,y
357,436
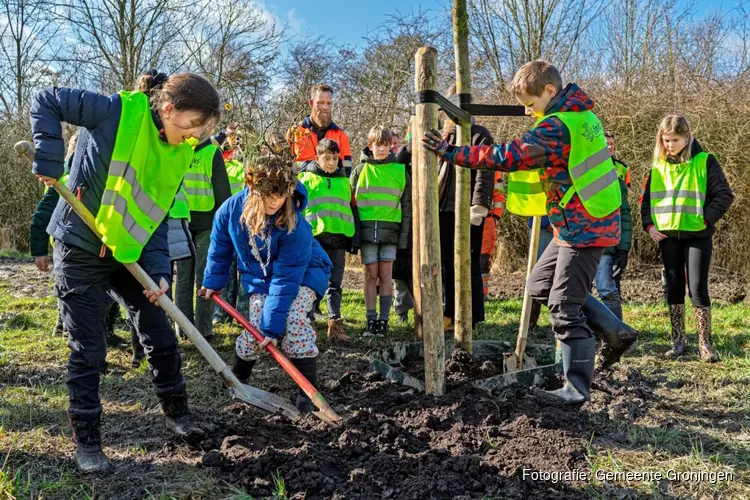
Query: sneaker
x,y
382,328
372,328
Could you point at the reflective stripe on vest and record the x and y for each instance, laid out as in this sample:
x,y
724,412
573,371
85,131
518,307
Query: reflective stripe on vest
x,y
144,175
379,191
526,195
180,208
590,165
678,194
197,184
329,204
236,174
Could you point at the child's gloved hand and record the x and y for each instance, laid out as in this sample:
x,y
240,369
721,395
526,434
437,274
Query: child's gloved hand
x,y
433,141
259,348
478,213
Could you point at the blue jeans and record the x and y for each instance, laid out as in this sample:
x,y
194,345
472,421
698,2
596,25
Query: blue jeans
x,y
605,283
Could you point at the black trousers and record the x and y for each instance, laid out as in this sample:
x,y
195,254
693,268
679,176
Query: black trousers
x,y
447,233
81,283
693,257
562,280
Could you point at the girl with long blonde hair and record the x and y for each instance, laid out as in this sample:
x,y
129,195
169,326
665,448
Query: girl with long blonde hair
x,y
684,196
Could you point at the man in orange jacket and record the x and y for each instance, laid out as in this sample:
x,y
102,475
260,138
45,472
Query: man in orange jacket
x,y
316,126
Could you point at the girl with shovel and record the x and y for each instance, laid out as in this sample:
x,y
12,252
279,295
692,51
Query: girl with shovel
x,y
284,269
127,169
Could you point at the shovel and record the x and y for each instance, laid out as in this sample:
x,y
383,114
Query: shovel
x,y
326,413
252,395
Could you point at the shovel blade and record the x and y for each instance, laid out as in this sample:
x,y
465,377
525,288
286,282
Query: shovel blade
x,y
265,400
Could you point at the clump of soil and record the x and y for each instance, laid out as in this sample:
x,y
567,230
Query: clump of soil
x,y
395,443
460,369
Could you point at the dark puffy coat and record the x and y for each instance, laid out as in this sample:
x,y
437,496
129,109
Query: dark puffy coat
x,y
385,233
99,117
38,237
296,260
719,198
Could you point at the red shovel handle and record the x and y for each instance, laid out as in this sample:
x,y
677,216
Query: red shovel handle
x,y
287,365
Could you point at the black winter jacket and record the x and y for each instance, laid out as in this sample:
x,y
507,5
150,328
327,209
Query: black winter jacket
x,y
385,233
719,198
482,181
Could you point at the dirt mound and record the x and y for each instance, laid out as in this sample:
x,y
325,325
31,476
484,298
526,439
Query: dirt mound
x,y
396,443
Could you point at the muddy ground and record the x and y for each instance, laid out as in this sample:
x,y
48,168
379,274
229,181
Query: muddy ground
x,y
395,443
392,442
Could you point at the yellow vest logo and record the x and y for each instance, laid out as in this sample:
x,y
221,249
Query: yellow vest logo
x,y
591,132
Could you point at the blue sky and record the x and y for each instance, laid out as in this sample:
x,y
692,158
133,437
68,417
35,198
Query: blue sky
x,y
345,22
348,22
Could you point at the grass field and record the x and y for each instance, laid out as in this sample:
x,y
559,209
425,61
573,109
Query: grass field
x,y
701,421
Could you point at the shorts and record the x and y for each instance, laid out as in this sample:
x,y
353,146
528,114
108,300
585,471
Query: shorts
x,y
377,252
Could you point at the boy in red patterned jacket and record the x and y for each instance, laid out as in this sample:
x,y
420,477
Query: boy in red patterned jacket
x,y
563,276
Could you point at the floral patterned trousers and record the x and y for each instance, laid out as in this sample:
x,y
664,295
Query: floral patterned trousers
x,y
299,340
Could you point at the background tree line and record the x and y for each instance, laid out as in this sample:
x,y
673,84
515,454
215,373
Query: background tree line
x,y
639,59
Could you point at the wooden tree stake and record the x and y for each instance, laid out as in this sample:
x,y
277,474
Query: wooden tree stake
x,y
462,242
428,229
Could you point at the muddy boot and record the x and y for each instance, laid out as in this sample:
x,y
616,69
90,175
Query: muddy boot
x,y
578,368
179,419
89,455
242,369
616,336
309,368
703,324
336,332
138,353
677,318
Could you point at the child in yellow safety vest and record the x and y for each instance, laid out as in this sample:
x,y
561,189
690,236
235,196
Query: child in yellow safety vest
x,y
382,190
684,196
332,213
128,167
575,180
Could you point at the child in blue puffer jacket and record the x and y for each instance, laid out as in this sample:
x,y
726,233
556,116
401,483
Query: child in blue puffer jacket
x,y
283,269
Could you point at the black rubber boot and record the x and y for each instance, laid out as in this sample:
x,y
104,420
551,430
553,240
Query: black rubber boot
x,y
615,306
179,419
242,369
89,456
615,335
138,353
578,368
309,368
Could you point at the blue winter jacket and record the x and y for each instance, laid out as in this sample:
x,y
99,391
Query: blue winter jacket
x,y
99,117
297,259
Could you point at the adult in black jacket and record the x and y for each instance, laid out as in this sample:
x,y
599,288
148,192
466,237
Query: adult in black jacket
x,y
482,186
671,219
